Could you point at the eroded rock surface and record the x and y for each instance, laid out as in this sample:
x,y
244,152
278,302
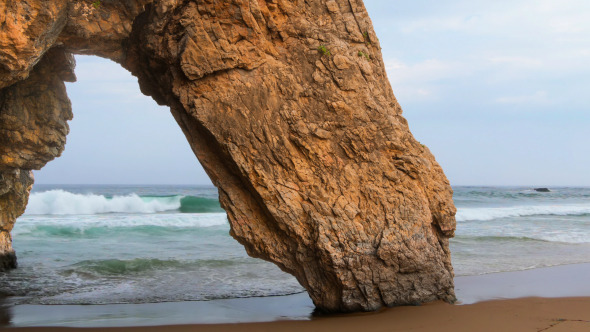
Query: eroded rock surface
x,y
287,106
15,186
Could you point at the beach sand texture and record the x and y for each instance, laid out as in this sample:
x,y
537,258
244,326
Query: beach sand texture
x,y
528,314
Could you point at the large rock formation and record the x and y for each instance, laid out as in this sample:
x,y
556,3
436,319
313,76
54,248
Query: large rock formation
x,y
286,104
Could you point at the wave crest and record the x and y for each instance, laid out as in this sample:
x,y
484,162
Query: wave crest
x,y
120,267
60,202
483,214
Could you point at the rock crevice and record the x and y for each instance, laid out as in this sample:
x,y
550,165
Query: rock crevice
x,y
287,106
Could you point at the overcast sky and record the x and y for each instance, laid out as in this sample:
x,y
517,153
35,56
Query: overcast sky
x,y
499,91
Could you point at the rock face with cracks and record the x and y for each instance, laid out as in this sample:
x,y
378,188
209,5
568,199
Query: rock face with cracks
x,y
287,106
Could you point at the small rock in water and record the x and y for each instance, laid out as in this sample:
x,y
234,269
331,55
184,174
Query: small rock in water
x,y
542,190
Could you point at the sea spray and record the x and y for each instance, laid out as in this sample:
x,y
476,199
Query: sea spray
x,y
61,202
491,213
117,224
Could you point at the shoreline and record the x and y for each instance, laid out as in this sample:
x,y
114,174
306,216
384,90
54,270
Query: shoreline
x,y
525,314
553,287
559,281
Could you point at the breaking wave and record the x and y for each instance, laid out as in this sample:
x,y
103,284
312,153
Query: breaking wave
x,y
475,214
60,202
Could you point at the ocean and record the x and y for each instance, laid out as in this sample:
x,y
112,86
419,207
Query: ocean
x,y
107,244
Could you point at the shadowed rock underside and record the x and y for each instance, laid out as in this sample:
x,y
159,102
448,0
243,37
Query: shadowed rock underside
x,y
289,110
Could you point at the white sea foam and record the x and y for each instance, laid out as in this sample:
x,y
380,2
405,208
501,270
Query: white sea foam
x,y
490,213
31,224
60,202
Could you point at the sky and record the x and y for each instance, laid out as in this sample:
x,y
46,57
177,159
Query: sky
x,y
498,90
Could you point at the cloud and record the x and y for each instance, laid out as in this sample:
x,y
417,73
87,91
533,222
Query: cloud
x,y
516,61
504,17
424,71
450,23
539,97
479,53
420,81
549,35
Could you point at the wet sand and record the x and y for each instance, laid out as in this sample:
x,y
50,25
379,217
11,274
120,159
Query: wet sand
x,y
554,299
529,314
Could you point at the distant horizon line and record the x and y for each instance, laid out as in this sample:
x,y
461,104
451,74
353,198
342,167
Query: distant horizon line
x,y
211,185
126,184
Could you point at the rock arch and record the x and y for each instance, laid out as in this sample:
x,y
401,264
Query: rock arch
x,y
288,108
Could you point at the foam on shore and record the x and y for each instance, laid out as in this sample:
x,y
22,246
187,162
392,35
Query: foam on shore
x,y
554,282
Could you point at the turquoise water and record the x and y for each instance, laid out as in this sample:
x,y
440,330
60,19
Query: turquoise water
x,y
145,244
122,244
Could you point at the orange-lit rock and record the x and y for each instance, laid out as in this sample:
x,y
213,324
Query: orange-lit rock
x,y
315,165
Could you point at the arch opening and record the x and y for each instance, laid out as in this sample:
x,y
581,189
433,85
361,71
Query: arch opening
x,y
85,239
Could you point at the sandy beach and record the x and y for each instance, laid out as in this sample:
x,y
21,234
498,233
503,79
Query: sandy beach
x,y
528,314
547,299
